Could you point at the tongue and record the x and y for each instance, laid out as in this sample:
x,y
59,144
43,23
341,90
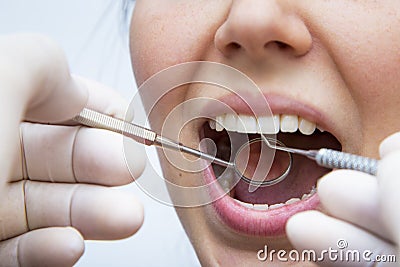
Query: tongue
x,y
300,180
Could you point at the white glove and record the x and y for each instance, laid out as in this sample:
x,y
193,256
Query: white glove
x,y
54,185
362,215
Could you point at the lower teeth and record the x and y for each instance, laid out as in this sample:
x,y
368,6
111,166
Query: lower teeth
x,y
277,205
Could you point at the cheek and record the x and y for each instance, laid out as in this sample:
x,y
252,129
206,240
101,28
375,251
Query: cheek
x,y
365,44
169,32
375,80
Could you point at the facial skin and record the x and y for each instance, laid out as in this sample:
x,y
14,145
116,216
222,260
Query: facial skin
x,y
340,57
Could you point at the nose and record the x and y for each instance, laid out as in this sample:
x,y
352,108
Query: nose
x,y
260,28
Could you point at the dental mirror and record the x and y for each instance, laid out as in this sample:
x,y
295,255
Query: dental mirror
x,y
250,162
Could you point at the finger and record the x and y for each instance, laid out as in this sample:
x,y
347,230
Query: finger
x,y
36,80
43,247
352,196
12,211
390,144
35,84
316,231
98,213
79,154
389,189
105,100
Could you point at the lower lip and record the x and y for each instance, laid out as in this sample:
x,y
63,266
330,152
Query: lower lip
x,y
269,223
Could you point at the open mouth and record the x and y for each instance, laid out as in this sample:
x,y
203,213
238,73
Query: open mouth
x,y
267,209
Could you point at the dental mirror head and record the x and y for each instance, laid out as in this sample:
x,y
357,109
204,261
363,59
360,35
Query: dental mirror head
x,y
250,162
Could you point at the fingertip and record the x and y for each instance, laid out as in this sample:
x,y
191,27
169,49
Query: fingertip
x,y
130,114
132,218
128,217
328,177
390,144
347,192
332,177
299,226
75,242
389,187
387,174
106,214
327,184
343,181
388,166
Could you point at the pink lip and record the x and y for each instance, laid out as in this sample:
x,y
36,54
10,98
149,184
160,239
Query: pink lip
x,y
270,223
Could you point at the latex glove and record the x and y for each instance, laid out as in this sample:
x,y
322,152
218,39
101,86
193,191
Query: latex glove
x,y
54,190
362,213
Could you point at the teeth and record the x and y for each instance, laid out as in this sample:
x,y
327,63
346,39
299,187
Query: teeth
x,y
212,124
266,207
275,206
230,122
260,206
292,200
306,127
289,123
264,125
244,204
225,179
253,206
219,123
269,125
247,123
312,192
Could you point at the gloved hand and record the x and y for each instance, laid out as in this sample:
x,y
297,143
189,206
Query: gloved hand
x,y
55,178
362,214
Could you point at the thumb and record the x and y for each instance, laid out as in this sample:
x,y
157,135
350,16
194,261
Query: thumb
x,y
37,80
389,187
389,184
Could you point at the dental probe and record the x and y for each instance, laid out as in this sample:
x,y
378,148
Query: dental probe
x,y
333,159
140,134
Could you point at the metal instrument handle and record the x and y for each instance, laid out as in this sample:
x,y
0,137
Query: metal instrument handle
x,y
96,119
340,160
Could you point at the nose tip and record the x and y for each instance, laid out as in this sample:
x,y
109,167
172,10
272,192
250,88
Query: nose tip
x,y
259,28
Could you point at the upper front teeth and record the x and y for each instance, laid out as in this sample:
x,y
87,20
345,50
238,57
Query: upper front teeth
x,y
289,123
264,125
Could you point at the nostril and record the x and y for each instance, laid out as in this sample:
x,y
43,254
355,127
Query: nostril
x,y
233,46
280,45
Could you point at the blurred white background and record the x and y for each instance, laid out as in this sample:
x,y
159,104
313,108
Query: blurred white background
x,y
93,34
